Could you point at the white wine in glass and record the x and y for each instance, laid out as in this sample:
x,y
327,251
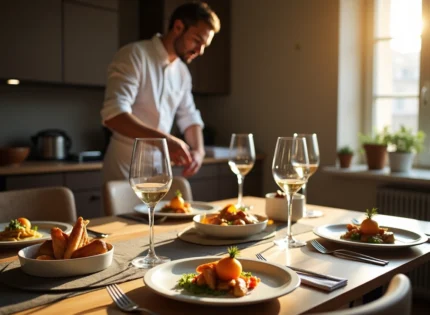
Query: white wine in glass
x,y
314,162
241,160
290,169
150,178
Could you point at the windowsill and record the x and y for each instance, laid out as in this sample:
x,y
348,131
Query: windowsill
x,y
415,176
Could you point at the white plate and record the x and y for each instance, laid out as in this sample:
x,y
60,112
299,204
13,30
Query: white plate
x,y
197,207
62,267
44,227
403,238
276,281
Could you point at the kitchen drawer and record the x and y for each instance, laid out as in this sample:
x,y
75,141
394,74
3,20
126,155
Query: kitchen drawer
x,y
33,181
83,180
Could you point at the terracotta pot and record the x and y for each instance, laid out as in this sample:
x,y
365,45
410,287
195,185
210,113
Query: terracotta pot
x,y
376,155
345,160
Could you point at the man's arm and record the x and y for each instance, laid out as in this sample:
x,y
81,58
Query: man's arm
x,y
194,137
130,126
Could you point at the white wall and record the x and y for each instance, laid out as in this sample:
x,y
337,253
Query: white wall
x,y
284,78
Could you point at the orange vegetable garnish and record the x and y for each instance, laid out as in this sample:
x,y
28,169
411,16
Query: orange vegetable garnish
x,y
24,222
370,226
229,268
177,201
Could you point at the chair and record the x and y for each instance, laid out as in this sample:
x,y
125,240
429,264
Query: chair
x,y
120,198
396,300
50,203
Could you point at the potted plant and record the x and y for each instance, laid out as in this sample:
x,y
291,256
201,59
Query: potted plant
x,y
404,145
345,155
375,147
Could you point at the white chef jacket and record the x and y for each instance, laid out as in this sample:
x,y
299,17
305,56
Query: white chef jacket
x,y
142,81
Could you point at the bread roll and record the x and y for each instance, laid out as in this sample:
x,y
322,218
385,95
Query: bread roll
x,y
59,242
46,249
74,238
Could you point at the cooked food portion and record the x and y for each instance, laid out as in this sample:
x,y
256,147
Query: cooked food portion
x,y
369,231
19,230
224,276
230,215
177,205
75,245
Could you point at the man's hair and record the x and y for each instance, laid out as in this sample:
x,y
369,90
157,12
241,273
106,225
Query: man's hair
x,y
192,13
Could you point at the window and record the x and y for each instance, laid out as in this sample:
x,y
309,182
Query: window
x,y
396,47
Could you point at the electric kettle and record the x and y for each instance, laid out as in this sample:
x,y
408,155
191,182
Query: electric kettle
x,y
52,144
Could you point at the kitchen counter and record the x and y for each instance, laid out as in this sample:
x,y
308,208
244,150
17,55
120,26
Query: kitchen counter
x,y
40,167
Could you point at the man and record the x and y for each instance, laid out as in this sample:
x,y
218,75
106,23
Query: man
x,y
149,83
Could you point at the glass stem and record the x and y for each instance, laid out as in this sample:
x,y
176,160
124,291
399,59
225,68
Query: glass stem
x,y
240,180
290,212
151,251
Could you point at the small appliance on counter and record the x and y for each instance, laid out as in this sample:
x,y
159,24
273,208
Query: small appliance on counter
x,y
51,144
86,156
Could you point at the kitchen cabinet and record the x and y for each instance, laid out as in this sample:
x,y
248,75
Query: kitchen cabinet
x,y
90,42
210,72
216,181
59,41
30,36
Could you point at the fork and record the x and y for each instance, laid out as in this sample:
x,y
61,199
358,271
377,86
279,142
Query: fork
x,y
123,301
97,234
347,254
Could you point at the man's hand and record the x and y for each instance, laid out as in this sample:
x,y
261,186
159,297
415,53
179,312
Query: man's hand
x,y
193,167
179,151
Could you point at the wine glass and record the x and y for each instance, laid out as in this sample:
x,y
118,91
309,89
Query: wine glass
x,y
241,160
150,178
314,162
290,169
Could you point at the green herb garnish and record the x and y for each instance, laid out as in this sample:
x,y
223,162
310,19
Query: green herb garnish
x,y
15,225
187,283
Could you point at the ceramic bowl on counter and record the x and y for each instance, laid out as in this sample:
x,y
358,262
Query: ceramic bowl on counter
x,y
229,231
13,155
63,267
276,207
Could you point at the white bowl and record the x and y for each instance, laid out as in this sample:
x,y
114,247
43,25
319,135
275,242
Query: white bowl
x,y
230,231
62,267
276,208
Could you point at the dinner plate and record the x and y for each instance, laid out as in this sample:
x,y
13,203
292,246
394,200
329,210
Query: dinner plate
x,y
276,281
403,238
197,207
44,227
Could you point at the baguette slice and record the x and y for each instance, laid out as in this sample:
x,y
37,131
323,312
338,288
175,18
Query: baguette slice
x,y
96,247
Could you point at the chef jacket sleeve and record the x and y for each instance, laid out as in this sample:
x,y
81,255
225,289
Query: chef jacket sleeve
x,y
123,81
187,113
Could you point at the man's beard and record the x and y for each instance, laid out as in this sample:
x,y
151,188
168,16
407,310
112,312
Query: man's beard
x,y
180,53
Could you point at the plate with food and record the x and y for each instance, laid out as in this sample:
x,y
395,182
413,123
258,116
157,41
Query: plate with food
x,y
370,235
178,208
66,255
22,232
226,281
230,222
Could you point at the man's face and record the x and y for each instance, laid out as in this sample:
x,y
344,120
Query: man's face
x,y
193,41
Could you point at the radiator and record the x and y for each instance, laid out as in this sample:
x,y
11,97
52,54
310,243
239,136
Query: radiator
x,y
413,204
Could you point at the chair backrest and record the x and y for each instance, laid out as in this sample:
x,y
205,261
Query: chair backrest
x,y
120,198
50,203
396,300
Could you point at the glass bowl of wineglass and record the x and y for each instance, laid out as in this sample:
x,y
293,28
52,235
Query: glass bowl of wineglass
x,y
151,178
241,160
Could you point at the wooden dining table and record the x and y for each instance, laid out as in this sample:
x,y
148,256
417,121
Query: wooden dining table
x,y
362,277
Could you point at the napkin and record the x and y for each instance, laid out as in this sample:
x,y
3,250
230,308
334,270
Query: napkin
x,y
320,283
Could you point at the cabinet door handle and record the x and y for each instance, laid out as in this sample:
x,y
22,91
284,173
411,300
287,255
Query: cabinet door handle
x,y
94,197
